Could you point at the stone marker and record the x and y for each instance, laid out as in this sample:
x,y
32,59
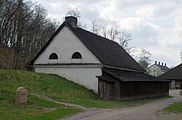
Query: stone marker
x,y
21,96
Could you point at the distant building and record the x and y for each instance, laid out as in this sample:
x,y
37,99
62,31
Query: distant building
x,y
157,69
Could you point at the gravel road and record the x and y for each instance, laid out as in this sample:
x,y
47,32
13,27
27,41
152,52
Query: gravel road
x,y
150,111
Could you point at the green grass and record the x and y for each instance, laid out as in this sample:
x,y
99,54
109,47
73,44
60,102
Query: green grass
x,y
55,87
36,108
43,103
99,103
54,115
176,107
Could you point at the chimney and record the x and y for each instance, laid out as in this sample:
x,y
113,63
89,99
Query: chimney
x,y
159,63
156,62
71,20
165,64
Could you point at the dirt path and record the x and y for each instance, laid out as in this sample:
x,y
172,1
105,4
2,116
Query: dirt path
x,y
62,103
148,111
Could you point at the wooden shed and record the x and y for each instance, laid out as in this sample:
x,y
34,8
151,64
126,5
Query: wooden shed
x,y
122,84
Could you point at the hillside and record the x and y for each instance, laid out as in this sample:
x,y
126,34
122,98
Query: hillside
x,y
42,84
51,86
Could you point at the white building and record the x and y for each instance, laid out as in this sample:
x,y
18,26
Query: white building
x,y
88,59
157,69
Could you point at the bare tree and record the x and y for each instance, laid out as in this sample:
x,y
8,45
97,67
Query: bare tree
x,y
24,27
95,27
110,30
124,38
20,23
144,59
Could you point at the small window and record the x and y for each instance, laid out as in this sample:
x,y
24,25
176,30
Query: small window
x,y
53,56
76,55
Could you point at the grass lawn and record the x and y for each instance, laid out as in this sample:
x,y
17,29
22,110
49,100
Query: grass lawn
x,y
176,107
55,87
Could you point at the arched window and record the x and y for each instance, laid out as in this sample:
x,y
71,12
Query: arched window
x,y
76,55
53,56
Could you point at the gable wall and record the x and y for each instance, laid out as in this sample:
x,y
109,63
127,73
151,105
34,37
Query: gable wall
x,y
65,43
154,70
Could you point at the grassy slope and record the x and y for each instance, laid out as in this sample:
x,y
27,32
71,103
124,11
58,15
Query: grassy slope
x,y
36,108
43,84
54,87
176,107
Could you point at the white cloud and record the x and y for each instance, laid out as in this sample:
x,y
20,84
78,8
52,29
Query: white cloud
x,y
146,11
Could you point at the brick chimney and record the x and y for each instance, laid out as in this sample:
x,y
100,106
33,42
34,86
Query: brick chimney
x,y
156,62
71,20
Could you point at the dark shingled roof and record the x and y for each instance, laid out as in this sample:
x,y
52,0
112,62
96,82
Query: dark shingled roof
x,y
107,51
107,78
173,74
129,76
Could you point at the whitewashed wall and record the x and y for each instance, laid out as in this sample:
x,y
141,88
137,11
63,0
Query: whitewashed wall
x,y
154,70
64,45
85,76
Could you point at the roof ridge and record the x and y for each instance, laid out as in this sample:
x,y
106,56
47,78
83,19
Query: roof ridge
x,y
97,35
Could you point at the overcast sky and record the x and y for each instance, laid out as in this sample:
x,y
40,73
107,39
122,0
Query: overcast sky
x,y
156,25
